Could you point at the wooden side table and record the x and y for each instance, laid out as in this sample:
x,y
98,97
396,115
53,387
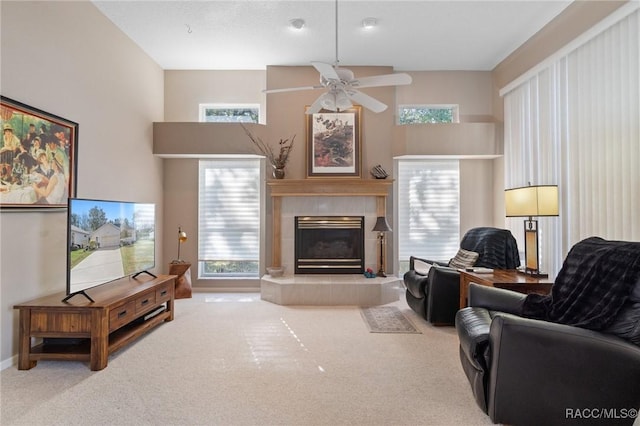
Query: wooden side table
x,y
502,278
183,279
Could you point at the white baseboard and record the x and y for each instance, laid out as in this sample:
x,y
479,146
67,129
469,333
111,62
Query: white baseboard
x,y
8,362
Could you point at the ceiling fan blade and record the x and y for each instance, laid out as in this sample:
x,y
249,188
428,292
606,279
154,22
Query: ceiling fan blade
x,y
366,101
383,80
326,70
292,89
316,106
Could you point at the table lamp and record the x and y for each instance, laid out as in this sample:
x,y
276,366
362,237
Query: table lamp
x,y
182,237
381,227
530,201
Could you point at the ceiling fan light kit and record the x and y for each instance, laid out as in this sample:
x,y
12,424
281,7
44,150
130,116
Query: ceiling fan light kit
x,y
335,101
342,85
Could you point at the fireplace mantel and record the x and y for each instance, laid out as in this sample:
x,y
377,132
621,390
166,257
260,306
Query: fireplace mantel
x,y
321,187
329,187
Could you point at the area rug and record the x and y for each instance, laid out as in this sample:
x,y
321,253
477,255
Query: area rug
x,y
387,319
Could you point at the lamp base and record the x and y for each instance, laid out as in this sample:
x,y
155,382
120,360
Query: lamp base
x,y
381,274
532,273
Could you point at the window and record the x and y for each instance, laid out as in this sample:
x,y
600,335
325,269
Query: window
x,y
420,114
229,113
428,210
229,218
574,121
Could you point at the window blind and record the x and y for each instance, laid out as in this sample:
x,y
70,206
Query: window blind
x,y
428,209
575,123
229,210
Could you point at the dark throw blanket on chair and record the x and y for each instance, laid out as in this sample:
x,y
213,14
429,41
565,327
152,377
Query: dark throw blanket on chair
x,y
595,280
497,248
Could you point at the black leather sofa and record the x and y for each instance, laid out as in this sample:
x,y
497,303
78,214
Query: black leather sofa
x,y
525,371
436,296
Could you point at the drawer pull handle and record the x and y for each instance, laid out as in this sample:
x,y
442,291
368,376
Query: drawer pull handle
x,y
144,302
163,292
121,314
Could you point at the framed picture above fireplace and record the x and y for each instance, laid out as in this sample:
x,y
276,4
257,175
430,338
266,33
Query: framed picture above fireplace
x,y
333,143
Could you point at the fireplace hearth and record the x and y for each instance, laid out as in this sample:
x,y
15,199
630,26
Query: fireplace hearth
x,y
329,244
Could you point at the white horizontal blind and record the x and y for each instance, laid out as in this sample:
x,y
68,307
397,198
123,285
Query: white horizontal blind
x,y
428,209
229,210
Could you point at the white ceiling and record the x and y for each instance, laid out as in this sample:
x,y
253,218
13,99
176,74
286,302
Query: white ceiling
x,y
410,36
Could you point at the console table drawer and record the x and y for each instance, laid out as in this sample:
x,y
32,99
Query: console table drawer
x,y
122,315
145,302
54,322
163,293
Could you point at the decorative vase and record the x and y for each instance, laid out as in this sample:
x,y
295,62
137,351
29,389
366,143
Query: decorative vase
x,y
278,172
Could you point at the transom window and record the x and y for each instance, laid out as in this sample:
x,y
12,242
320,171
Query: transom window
x,y
229,113
421,114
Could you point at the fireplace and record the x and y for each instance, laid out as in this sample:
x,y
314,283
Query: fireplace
x,y
329,244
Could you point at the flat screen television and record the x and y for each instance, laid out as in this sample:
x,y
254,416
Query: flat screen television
x,y
107,240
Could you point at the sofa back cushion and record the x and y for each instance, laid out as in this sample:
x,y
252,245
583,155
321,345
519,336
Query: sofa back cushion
x,y
627,323
592,287
496,248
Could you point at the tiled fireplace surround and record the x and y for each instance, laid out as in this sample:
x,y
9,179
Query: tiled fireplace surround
x,y
326,197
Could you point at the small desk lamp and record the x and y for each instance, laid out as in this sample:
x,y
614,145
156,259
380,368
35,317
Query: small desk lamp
x,y
182,237
381,227
530,201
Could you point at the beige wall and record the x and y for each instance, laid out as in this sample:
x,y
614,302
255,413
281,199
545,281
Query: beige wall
x,y
285,117
68,59
471,90
102,80
184,91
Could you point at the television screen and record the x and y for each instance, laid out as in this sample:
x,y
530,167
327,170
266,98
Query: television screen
x,y
108,240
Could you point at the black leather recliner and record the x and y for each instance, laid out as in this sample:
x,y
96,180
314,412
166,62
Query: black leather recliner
x,y
436,296
525,371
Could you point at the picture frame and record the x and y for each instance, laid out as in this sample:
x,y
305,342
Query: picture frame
x,y
334,145
38,157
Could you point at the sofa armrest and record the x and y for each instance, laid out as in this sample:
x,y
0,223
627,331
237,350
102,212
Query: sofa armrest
x,y
433,262
496,299
558,368
473,326
444,295
416,284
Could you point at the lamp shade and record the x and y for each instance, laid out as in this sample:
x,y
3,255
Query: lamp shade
x,y
381,225
538,200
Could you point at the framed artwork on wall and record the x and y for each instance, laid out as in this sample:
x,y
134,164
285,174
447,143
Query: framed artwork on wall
x,y
38,157
334,143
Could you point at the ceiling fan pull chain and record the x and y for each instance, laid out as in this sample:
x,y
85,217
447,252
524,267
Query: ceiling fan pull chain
x,y
337,33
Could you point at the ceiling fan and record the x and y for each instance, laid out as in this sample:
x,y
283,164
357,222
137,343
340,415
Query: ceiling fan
x,y
342,86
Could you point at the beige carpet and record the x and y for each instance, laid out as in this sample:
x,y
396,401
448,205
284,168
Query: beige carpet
x,y
232,359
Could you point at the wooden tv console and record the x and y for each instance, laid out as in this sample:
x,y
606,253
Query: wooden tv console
x,y
89,331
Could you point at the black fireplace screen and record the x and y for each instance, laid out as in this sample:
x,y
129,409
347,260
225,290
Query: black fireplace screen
x,y
329,244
